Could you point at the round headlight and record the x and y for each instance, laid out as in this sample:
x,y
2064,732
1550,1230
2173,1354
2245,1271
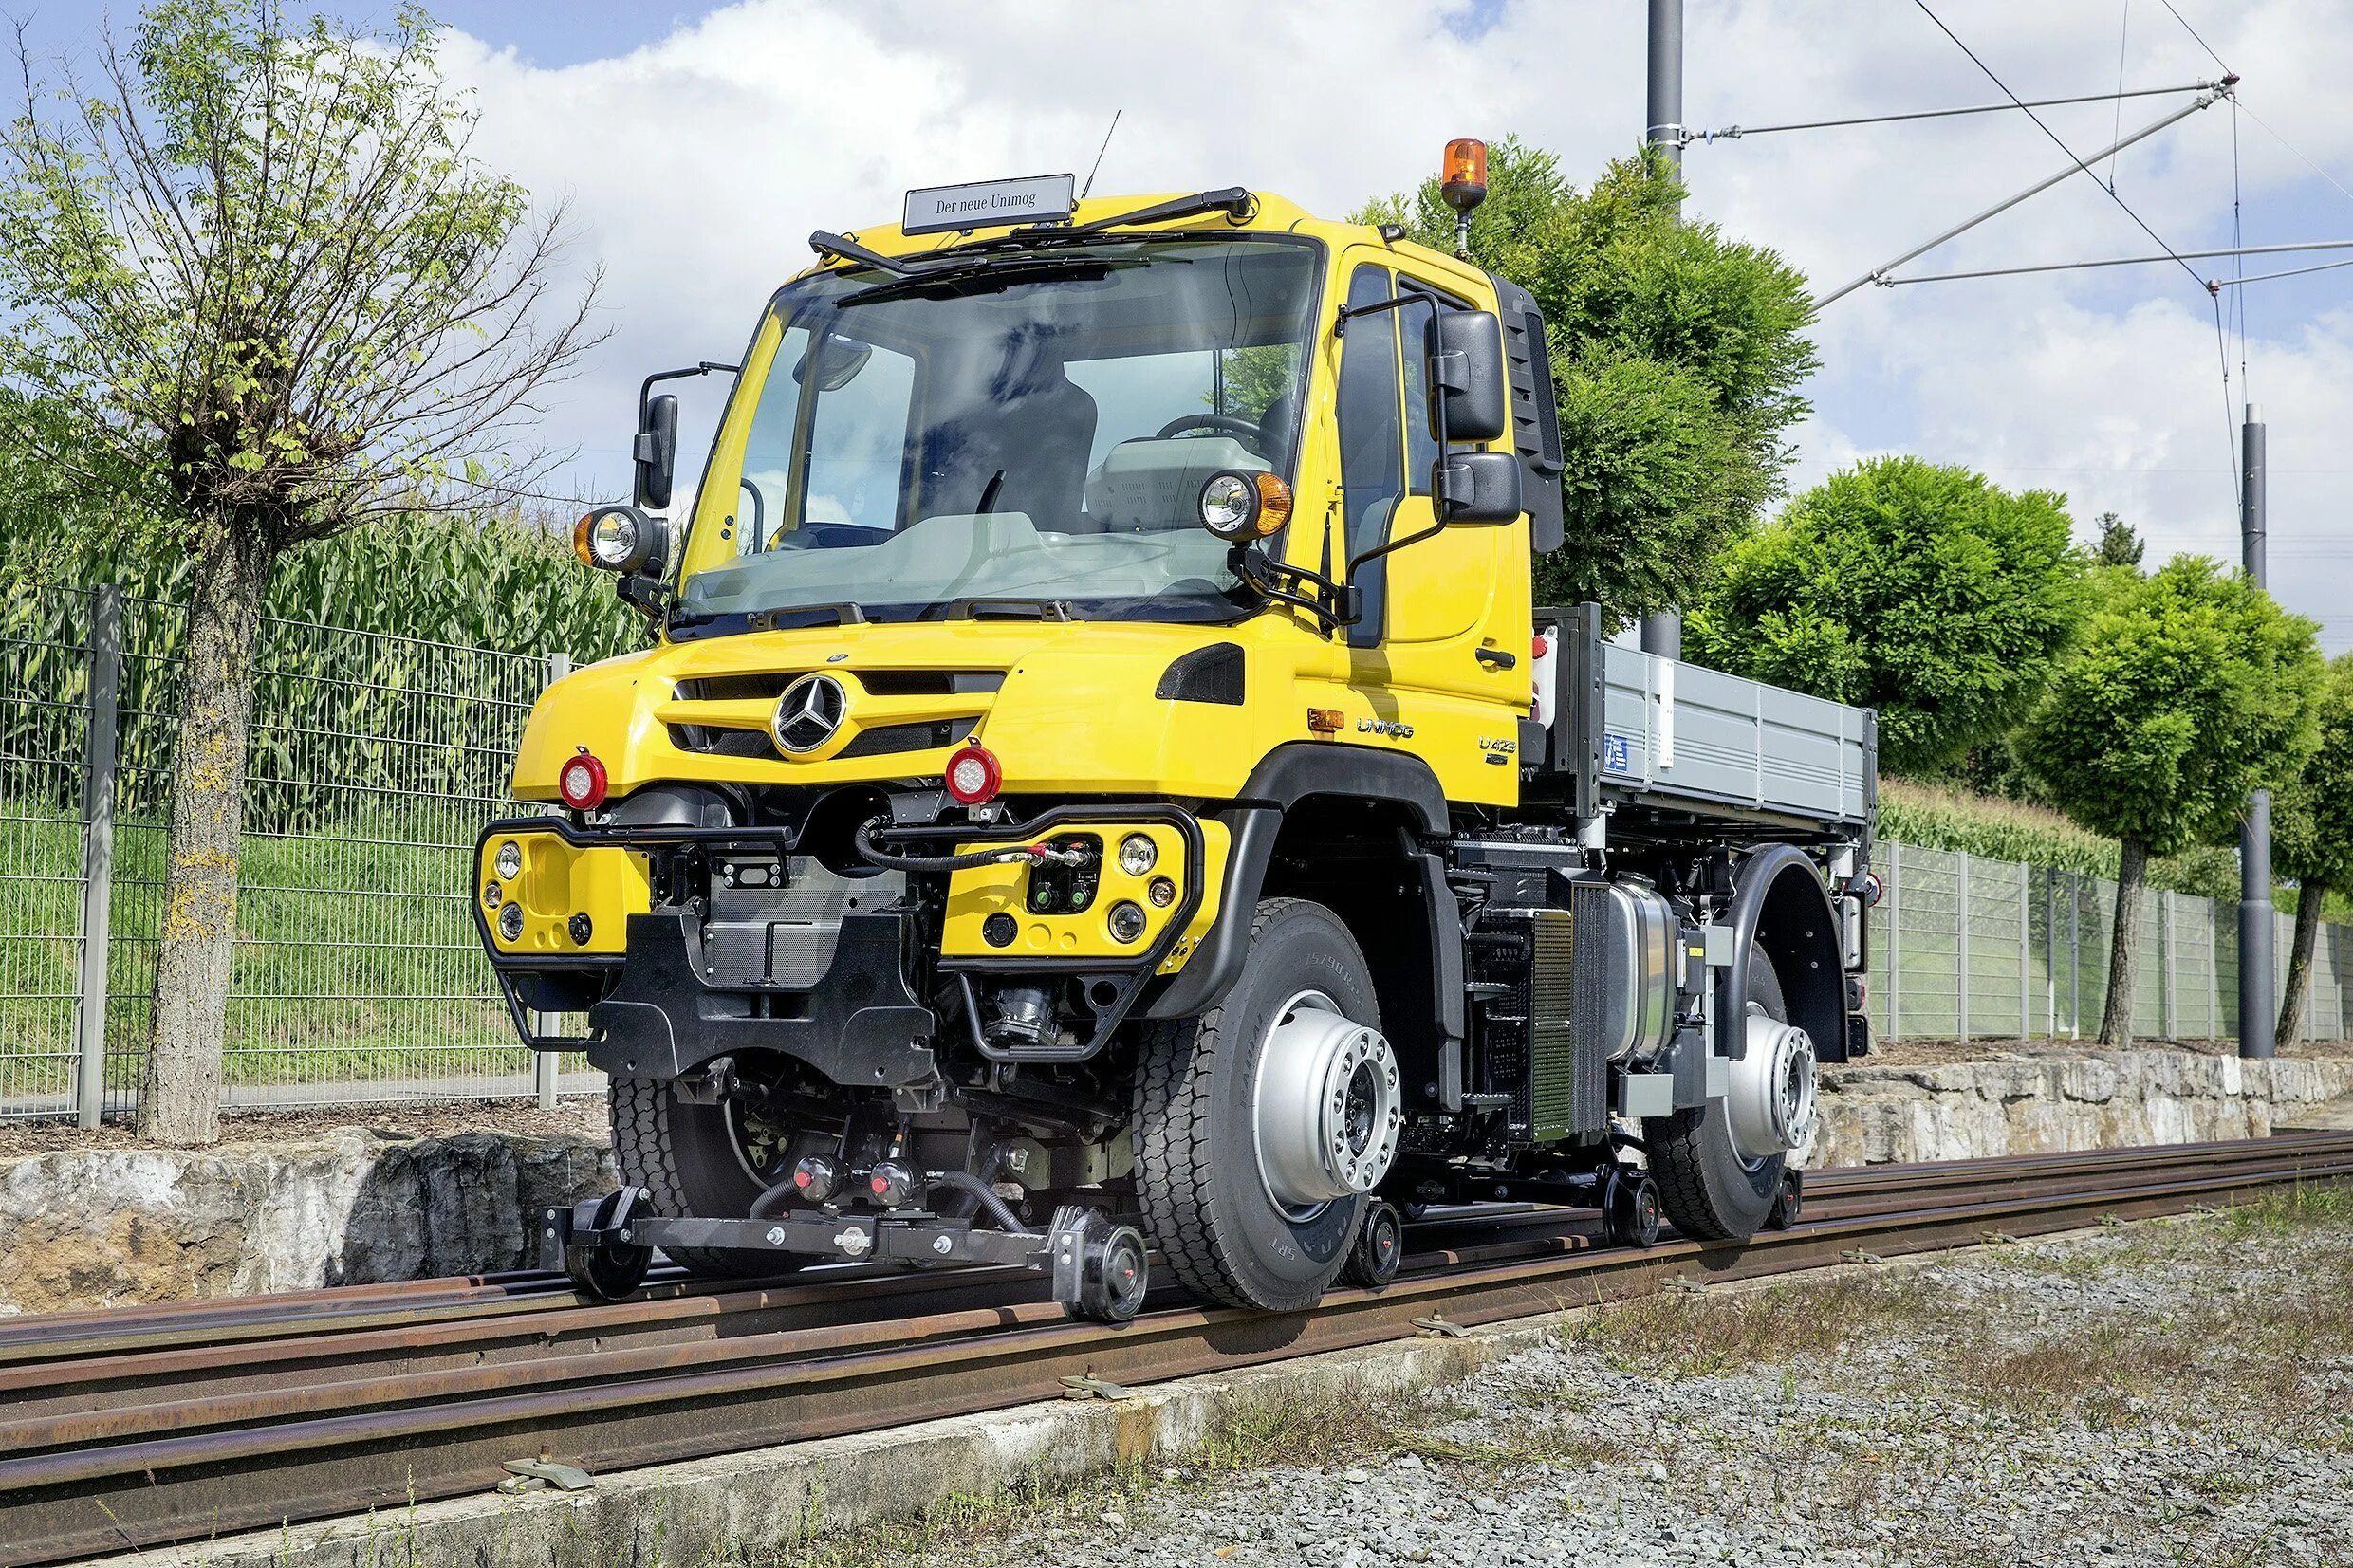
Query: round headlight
x,y
618,538
1239,506
1127,922
1137,854
509,862
492,893
1229,505
510,922
612,540
1162,892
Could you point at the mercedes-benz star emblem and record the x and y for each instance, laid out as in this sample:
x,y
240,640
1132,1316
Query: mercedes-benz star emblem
x,y
809,712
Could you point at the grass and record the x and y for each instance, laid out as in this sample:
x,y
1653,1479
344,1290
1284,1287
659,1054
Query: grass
x,y
357,956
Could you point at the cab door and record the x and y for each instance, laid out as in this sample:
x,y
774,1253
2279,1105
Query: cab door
x,y
1445,619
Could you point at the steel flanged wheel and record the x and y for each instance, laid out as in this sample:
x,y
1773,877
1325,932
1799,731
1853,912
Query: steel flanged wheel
x,y
1629,1208
1720,1167
1380,1248
1115,1271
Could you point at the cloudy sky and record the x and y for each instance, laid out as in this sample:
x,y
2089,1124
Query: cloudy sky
x,y
700,144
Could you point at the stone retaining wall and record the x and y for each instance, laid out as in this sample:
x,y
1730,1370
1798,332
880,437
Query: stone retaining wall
x,y
2038,1104
105,1227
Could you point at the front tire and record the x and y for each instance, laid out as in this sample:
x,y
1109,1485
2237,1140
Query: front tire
x,y
685,1156
1208,1198
1708,1188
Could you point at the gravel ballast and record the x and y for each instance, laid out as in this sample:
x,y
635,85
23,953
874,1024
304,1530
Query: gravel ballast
x,y
2166,1393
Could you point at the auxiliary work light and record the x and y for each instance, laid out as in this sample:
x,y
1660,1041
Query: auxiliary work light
x,y
616,539
580,781
973,774
1240,506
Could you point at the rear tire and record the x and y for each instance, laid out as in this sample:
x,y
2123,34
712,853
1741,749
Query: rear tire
x,y
1205,1202
684,1155
1708,1192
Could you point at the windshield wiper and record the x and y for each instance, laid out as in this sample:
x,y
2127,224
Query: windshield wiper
x,y
1004,609
986,273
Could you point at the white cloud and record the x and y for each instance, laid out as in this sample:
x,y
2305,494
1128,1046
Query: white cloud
x,y
698,165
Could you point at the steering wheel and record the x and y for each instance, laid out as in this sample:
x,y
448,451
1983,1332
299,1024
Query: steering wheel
x,y
1235,425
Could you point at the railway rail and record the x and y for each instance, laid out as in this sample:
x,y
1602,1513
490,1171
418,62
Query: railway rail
x,y
156,1424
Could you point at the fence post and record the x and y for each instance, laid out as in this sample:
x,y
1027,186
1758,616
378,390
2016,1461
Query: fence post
x,y
546,1065
2075,954
2026,1015
98,849
1895,935
1962,925
2050,949
2168,1006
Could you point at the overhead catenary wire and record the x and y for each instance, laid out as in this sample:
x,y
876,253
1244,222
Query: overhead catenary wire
x,y
2290,272
2293,247
2222,349
2076,165
2227,82
2123,36
1738,133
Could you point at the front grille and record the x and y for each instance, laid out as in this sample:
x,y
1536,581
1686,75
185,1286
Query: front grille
x,y
889,739
770,684
882,741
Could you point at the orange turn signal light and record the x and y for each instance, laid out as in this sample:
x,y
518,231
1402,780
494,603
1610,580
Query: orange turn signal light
x,y
580,539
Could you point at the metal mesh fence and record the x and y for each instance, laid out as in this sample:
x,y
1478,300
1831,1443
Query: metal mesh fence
x,y
375,759
1964,948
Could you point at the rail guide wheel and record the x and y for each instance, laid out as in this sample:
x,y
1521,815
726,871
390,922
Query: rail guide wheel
x,y
1629,1208
1790,1204
1378,1249
608,1270
1102,1269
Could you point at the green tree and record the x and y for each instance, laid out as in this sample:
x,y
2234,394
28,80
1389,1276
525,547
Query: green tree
x,y
1676,356
2188,689
274,294
2118,545
1924,591
2312,835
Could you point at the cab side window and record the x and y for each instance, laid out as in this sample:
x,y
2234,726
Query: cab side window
x,y
1372,446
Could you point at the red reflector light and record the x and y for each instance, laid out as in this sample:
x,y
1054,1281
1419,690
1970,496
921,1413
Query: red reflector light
x,y
580,781
974,775
1538,648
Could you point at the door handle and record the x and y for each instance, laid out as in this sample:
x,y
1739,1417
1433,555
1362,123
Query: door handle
x,y
1494,658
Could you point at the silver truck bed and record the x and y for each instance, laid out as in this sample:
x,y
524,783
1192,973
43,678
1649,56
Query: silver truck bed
x,y
1669,729
1622,727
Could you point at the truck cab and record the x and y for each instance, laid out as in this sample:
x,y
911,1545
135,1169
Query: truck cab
x,y
1100,786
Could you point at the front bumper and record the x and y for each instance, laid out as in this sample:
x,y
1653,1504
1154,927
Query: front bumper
x,y
837,983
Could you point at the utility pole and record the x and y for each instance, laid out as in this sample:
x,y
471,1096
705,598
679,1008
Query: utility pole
x,y
2257,996
1662,630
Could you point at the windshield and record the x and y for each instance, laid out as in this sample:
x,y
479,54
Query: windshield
x,y
1033,429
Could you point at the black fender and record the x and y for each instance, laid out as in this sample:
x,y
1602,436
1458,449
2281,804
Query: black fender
x,y
1286,776
1781,906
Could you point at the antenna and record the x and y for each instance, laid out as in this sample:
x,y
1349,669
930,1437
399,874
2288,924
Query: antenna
x,y
1098,152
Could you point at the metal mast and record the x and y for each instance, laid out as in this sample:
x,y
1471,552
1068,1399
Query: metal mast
x,y
1662,630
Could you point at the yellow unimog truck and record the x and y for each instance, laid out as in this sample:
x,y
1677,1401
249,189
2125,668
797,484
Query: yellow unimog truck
x,y
1100,792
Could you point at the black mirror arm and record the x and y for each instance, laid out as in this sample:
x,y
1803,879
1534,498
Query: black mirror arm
x,y
1380,551
1334,605
645,388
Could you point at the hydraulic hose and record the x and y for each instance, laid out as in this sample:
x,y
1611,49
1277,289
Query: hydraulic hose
x,y
964,1181
1001,854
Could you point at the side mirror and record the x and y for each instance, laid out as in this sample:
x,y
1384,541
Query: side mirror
x,y
1476,487
657,450
1466,377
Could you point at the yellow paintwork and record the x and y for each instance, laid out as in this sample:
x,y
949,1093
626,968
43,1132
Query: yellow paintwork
x,y
1076,713
558,881
978,892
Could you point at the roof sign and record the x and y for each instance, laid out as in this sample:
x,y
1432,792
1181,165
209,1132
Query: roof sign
x,y
993,203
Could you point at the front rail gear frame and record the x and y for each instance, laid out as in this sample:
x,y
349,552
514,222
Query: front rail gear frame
x,y
1097,1265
